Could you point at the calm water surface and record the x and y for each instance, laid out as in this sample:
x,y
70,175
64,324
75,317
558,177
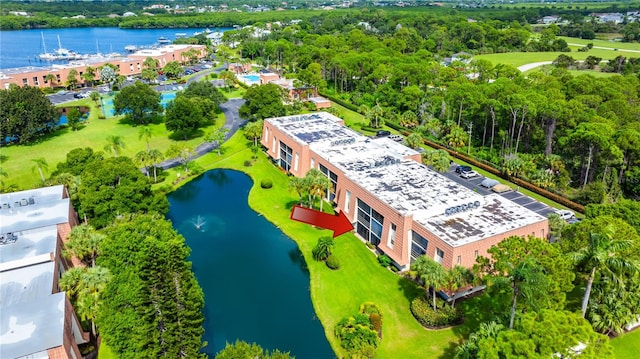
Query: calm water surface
x,y
255,281
20,48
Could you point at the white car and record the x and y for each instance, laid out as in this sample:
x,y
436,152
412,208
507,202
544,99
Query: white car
x,y
565,214
469,174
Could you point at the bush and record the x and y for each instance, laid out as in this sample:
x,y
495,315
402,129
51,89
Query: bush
x,y
356,332
323,248
266,183
384,260
101,117
333,262
425,315
248,163
369,308
376,322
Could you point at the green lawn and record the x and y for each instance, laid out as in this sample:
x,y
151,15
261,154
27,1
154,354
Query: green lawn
x,y
54,148
336,294
627,346
604,43
522,58
104,352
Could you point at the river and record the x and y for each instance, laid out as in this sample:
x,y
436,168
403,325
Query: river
x,y
20,48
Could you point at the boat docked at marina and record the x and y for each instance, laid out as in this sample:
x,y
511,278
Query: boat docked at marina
x,y
60,54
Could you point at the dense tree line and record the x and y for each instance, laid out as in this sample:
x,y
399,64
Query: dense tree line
x,y
25,114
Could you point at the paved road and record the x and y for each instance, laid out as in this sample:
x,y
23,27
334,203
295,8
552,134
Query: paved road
x,y
533,65
232,122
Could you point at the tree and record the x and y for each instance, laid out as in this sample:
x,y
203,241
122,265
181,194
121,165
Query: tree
x,y
146,133
243,350
300,185
469,349
183,115
153,306
438,159
95,97
602,255
457,277
527,280
72,78
415,140
89,75
263,101
374,115
173,69
409,119
83,243
108,75
137,102
113,187
218,135
183,153
150,63
155,157
26,114
148,75
545,334
228,77
73,118
41,165
85,287
115,144
76,161
51,79
319,184
206,90
431,273
142,159
253,130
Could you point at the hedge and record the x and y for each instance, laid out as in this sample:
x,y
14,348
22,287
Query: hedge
x,y
442,317
339,101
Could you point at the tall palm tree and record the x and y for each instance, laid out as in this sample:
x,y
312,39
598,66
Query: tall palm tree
x,y
414,140
51,79
254,130
155,157
458,277
527,280
146,133
89,75
409,119
41,165
374,115
438,159
318,185
114,143
84,244
602,255
72,78
95,97
298,185
432,274
228,77
142,159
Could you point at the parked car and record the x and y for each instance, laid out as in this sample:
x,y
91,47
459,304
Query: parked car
x,y
501,188
488,183
469,174
78,95
565,214
461,169
383,133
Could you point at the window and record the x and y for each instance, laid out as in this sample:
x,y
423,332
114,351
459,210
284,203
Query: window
x,y
138,65
439,255
131,67
35,80
459,259
295,164
369,224
347,202
57,77
273,146
44,79
418,245
392,236
331,193
25,82
286,155
313,163
542,235
475,254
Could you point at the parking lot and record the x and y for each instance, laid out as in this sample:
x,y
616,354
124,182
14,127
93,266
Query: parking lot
x,y
513,195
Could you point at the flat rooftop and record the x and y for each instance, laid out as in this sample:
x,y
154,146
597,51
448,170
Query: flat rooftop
x,y
31,327
29,246
26,284
31,209
384,168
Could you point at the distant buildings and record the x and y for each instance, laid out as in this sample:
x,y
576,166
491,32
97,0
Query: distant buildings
x,y
394,201
36,319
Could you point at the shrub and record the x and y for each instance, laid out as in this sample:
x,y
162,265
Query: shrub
x,y
333,262
384,260
425,315
369,308
376,322
356,332
266,183
101,117
370,245
323,248
248,163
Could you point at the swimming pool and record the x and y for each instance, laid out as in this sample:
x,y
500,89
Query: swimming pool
x,y
107,104
250,79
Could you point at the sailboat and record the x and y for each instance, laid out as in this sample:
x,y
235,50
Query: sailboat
x,y
60,54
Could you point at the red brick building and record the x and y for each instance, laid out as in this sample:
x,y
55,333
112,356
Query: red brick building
x,y
394,201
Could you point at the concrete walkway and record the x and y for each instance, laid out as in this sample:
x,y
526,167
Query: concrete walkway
x,y
533,65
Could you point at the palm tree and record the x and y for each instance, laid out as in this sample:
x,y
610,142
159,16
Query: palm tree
x,y
415,140
84,244
72,78
323,248
438,159
408,119
114,143
457,136
602,254
228,77
374,115
319,184
89,75
146,133
458,277
84,286
142,159
254,130
95,97
51,79
299,185
432,274
527,280
155,157
41,165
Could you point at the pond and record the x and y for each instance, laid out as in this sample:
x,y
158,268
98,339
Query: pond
x,y
254,278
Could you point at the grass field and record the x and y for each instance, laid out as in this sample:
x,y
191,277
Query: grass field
x,y
627,346
54,148
603,43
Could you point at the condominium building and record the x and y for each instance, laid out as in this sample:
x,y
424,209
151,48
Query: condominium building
x,y
36,319
395,202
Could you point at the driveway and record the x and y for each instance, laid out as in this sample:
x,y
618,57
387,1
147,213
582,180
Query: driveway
x,y
515,196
